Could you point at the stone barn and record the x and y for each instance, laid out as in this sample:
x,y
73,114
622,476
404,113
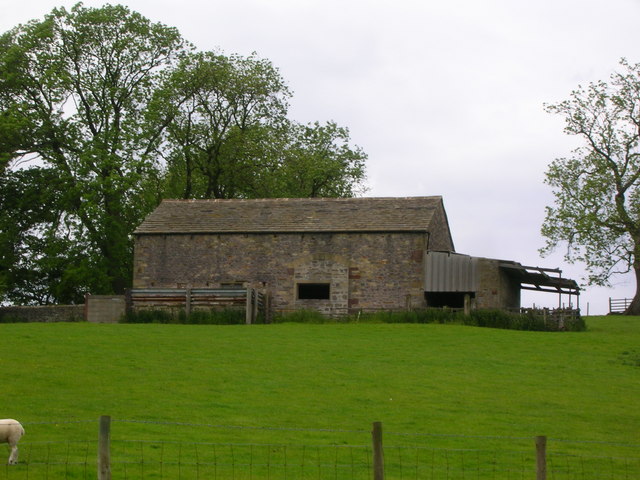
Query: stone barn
x,y
331,255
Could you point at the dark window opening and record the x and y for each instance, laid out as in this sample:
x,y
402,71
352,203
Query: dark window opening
x,y
446,299
314,291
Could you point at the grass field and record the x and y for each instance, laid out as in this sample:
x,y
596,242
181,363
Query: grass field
x,y
446,386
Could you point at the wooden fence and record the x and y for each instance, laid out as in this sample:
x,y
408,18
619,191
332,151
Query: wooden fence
x,y
619,305
193,299
554,316
377,450
133,449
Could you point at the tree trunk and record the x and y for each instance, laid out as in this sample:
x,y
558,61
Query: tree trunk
x,y
115,245
634,307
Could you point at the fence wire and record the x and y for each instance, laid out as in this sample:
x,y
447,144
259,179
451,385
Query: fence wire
x,y
162,454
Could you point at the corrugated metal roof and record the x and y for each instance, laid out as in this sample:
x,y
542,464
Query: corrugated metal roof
x,y
538,278
293,215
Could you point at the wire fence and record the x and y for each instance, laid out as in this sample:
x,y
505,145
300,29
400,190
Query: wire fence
x,y
162,450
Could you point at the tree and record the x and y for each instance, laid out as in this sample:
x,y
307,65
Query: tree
x,y
318,161
74,90
223,117
228,135
103,114
28,258
597,190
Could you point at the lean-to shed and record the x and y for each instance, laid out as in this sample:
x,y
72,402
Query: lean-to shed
x,y
453,279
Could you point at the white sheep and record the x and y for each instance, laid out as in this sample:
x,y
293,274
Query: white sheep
x,y
10,432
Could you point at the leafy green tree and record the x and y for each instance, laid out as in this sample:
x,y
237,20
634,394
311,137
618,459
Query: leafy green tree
x,y
228,135
222,115
103,113
26,211
318,161
597,190
74,89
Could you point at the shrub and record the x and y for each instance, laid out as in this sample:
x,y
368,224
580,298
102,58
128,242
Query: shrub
x,y
301,316
576,325
531,320
198,317
12,319
147,316
494,319
429,315
219,317
443,315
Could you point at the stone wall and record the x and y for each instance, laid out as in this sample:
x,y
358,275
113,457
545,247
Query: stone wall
x,y
105,308
322,268
364,270
495,289
46,313
440,236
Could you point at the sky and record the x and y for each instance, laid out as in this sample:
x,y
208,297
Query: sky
x,y
446,97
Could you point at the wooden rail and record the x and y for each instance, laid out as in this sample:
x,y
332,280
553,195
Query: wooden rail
x,y
619,305
190,299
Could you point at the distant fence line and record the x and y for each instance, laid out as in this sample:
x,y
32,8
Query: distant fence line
x,y
558,316
115,452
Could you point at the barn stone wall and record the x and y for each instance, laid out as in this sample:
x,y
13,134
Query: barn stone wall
x,y
440,238
323,268
365,270
495,288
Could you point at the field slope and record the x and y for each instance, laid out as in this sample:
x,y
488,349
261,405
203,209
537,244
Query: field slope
x,y
334,379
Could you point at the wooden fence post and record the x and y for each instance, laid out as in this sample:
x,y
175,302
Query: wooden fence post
x,y
541,457
378,457
187,302
104,448
249,306
267,306
254,307
467,304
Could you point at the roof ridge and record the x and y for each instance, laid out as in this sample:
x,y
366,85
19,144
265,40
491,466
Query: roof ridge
x,y
293,199
354,214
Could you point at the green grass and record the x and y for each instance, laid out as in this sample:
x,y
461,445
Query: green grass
x,y
301,384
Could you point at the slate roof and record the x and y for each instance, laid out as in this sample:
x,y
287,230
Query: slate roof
x,y
292,215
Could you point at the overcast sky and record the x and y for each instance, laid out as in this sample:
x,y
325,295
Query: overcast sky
x,y
445,97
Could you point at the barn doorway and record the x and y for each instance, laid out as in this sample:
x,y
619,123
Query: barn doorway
x,y
447,299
